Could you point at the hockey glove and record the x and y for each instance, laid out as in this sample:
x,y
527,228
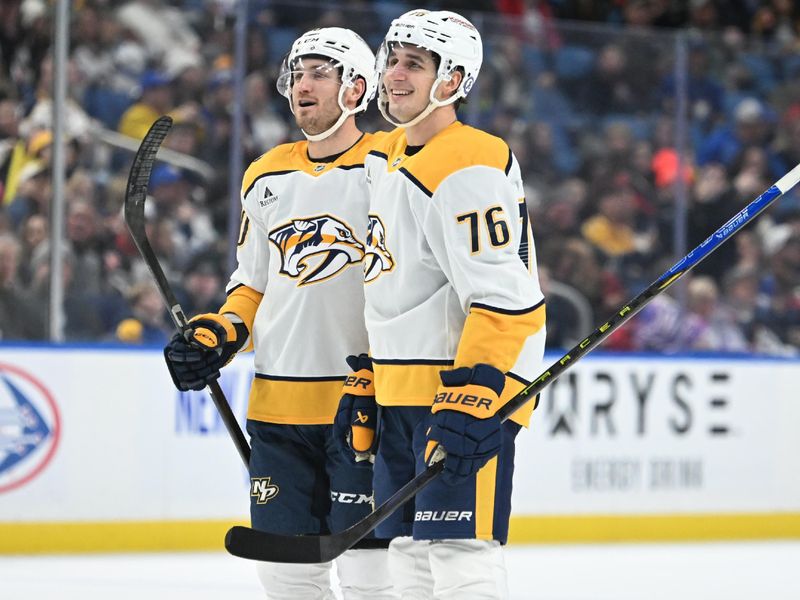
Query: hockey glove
x,y
195,356
355,421
464,420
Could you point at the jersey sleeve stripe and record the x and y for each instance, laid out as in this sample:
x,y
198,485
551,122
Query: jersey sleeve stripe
x,y
233,289
510,161
416,182
290,378
413,361
506,311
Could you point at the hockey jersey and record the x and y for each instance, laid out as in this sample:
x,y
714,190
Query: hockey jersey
x,y
301,245
450,267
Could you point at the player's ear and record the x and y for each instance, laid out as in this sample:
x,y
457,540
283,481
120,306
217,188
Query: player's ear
x,y
448,88
352,95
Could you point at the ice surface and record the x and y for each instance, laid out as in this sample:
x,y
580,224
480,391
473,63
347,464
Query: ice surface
x,y
718,571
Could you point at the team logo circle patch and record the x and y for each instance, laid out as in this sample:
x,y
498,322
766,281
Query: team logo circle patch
x,y
468,85
30,427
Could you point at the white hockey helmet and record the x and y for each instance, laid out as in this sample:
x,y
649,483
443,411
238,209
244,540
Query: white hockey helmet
x,y
349,52
451,37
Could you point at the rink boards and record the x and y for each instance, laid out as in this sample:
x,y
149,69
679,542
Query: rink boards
x,y
99,452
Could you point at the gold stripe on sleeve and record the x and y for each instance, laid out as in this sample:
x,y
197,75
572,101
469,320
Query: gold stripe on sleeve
x,y
243,302
485,483
496,337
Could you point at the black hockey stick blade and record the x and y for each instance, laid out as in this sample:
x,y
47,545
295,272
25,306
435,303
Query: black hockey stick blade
x,y
258,545
135,197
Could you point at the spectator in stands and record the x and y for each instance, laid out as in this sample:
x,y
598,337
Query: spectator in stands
x,y
266,127
21,313
712,197
742,297
753,127
83,234
711,324
611,228
77,123
163,29
155,99
194,232
13,153
509,92
34,192
34,242
147,323
705,93
610,86
781,311
778,22
203,284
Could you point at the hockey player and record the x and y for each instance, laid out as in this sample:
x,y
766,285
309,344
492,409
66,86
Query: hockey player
x,y
454,314
297,298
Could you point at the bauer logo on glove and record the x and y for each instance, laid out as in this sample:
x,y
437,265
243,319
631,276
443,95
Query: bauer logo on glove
x,y
472,401
464,421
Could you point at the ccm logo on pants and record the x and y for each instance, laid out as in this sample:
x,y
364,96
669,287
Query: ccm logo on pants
x,y
443,515
349,498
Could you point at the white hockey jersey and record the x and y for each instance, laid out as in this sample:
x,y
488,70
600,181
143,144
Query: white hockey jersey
x,y
450,266
301,244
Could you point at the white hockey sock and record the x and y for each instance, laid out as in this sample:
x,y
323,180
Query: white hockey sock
x,y
296,582
472,569
410,569
364,575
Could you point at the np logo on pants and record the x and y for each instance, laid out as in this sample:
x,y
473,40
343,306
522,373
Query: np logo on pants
x,y
262,489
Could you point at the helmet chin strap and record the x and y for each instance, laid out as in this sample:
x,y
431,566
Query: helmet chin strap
x,y
346,112
433,104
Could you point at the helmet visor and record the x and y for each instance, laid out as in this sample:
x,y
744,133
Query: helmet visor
x,y
311,67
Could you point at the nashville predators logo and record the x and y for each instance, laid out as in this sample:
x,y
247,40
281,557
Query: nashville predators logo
x,y
262,490
377,258
316,248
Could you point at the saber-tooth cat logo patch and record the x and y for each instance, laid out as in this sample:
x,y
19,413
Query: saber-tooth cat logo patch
x,y
316,248
377,259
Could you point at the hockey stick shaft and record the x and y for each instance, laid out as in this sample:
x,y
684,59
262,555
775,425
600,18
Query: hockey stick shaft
x,y
135,197
684,265
259,545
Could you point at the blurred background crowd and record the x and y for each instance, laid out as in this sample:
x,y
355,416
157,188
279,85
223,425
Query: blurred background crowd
x,y
641,126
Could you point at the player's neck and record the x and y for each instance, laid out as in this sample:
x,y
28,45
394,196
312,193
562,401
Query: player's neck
x,y
421,133
336,143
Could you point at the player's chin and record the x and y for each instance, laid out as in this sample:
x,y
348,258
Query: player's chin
x,y
402,114
314,126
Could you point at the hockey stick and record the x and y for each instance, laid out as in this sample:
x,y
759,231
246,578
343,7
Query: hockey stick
x,y
259,545
135,196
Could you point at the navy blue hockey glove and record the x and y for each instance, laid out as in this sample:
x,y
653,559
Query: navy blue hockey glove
x,y
195,356
356,419
464,421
